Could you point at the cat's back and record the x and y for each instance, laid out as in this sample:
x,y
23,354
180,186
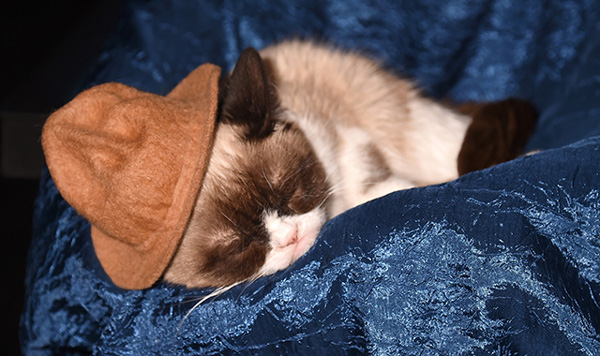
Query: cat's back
x,y
333,83
348,103
302,61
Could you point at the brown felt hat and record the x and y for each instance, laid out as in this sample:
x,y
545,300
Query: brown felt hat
x,y
132,163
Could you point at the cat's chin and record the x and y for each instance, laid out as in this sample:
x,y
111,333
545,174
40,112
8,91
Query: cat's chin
x,y
290,238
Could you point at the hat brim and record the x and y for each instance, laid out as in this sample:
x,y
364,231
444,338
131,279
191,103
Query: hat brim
x,y
140,266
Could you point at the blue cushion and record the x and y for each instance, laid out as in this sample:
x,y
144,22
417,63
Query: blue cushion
x,y
504,261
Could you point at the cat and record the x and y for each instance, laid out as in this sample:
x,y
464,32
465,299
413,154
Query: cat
x,y
305,132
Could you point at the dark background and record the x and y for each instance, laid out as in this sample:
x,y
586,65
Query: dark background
x,y
47,49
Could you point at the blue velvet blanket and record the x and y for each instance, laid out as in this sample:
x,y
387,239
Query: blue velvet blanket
x,y
504,261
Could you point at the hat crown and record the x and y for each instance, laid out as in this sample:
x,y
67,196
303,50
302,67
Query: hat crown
x,y
128,152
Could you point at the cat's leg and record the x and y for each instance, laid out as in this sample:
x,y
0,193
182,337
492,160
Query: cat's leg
x,y
423,145
364,170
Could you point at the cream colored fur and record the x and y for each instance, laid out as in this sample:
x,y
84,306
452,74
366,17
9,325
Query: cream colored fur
x,y
345,103
372,131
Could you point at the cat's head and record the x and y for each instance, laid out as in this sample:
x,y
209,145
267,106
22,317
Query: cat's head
x,y
261,205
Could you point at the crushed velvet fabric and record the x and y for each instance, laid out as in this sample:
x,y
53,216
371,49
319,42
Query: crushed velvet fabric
x,y
504,261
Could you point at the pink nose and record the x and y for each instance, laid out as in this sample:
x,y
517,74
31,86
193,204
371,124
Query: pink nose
x,y
291,236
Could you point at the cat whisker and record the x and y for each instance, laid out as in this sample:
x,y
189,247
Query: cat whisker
x,y
230,220
262,168
245,183
320,205
247,284
215,293
298,171
338,187
330,192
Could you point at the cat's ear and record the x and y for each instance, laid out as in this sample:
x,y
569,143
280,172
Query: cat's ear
x,y
248,99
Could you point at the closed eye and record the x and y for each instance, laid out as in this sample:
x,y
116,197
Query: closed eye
x,y
304,201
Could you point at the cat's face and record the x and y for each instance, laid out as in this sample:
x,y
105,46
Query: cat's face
x,y
262,203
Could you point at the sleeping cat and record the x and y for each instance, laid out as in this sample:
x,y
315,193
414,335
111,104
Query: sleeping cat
x,y
305,132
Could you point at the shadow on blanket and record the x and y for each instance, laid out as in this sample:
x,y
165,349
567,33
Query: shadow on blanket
x,y
504,261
